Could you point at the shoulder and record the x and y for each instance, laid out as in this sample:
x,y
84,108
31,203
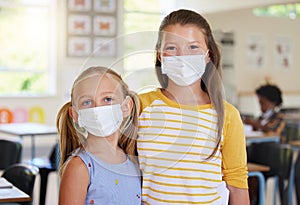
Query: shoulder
x,y
75,165
232,119
230,110
74,182
149,95
279,115
147,98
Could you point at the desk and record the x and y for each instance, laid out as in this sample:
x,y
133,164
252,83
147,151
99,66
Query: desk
x,y
255,170
253,167
28,129
9,195
258,137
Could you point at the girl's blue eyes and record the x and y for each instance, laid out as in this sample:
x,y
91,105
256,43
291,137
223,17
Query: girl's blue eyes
x,y
107,100
87,103
172,48
194,47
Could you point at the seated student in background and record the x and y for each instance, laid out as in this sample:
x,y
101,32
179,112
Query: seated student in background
x,y
271,121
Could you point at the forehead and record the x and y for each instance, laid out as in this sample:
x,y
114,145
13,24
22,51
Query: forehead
x,y
96,84
186,32
263,99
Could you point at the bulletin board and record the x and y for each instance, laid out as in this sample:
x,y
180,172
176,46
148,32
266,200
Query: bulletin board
x,y
91,28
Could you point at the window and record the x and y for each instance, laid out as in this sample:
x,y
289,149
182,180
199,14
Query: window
x,y
141,22
287,10
27,48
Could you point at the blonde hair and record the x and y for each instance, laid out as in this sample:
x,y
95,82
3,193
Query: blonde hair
x,y
211,81
69,131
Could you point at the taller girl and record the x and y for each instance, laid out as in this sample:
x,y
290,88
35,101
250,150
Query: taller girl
x,y
191,141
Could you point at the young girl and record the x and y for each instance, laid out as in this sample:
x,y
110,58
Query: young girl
x,y
98,131
191,143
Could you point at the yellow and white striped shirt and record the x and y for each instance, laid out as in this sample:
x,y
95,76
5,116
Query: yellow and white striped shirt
x,y
173,144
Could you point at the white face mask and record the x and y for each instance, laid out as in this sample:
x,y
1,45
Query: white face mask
x,y
184,70
101,121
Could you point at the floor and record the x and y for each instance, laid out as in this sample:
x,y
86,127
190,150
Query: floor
x,y
44,148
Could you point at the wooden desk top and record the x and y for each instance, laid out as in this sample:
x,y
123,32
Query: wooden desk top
x,y
295,143
9,195
253,167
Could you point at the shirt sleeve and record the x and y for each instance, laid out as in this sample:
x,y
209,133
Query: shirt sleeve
x,y
234,164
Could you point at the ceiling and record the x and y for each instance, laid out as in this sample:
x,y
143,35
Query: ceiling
x,y
210,6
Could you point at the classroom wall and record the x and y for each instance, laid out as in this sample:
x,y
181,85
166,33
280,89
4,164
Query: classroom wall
x,y
241,80
67,70
243,77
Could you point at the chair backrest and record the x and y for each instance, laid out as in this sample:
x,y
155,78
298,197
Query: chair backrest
x,y
54,157
10,152
291,131
23,177
277,156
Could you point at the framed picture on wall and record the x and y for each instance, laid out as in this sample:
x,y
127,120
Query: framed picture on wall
x,y
79,24
256,51
79,5
79,46
90,23
105,6
283,52
104,25
104,47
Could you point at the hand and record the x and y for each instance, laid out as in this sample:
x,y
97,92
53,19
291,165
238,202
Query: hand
x,y
248,121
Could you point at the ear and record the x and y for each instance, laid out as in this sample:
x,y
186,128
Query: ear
x,y
73,114
158,55
207,57
127,106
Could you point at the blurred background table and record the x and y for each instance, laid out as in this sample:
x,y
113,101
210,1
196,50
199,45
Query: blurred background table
x,y
28,130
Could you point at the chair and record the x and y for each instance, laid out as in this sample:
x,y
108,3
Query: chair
x,y
279,157
297,179
10,153
23,177
46,166
291,131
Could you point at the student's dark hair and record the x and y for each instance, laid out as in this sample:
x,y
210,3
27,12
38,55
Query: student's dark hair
x,y
211,81
271,92
71,135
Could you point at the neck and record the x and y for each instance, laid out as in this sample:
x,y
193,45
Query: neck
x,y
189,95
102,144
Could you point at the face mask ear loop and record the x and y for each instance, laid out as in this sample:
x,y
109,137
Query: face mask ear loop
x,y
125,100
125,124
78,128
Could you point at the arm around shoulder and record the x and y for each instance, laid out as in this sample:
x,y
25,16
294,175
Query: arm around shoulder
x,y
74,183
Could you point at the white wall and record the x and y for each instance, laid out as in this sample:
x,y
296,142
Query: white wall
x,y
67,69
243,23
244,80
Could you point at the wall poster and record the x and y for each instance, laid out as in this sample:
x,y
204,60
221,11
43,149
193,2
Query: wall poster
x,y
256,48
90,23
283,52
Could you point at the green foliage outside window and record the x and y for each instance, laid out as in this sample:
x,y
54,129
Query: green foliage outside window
x,y
287,10
24,45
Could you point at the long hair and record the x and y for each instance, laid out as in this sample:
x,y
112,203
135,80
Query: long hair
x,y
71,135
211,81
